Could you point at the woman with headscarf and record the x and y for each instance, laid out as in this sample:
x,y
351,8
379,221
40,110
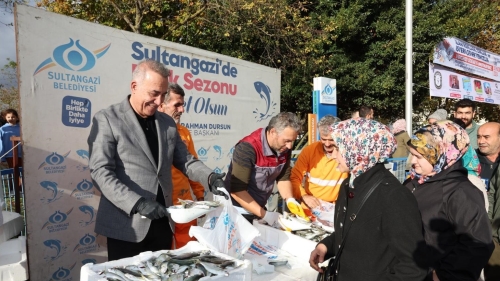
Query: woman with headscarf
x,y
383,236
402,137
456,226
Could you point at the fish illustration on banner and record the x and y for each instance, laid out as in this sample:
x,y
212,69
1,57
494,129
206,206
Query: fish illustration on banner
x,y
264,93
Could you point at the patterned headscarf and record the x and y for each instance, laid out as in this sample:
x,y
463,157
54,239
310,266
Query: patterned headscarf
x,y
399,126
363,143
442,144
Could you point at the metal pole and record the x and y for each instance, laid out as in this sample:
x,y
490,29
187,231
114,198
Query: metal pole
x,y
409,66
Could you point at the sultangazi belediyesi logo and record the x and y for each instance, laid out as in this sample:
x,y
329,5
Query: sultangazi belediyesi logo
x,y
72,56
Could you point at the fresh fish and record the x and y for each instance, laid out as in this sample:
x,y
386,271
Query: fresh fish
x,y
189,255
161,259
184,262
182,269
187,204
212,268
227,264
173,267
112,276
176,277
153,268
195,271
129,271
212,259
194,277
117,272
203,269
164,267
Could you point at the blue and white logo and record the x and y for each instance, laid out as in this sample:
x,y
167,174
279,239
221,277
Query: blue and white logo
x,y
63,274
86,244
53,163
218,170
230,153
84,154
202,153
218,149
264,93
73,56
89,210
55,193
83,190
57,249
57,221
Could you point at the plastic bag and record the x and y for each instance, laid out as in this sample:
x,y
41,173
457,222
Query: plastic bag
x,y
325,213
225,230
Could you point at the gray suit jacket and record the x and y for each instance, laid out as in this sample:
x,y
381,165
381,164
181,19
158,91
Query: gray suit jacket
x,y
124,170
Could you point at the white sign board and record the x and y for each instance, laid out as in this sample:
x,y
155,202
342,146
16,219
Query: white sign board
x,y
327,88
446,83
458,54
68,70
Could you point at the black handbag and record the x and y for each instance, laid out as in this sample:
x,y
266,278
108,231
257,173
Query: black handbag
x,y
330,273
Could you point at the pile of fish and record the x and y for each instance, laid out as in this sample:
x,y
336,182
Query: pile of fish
x,y
315,233
190,266
188,204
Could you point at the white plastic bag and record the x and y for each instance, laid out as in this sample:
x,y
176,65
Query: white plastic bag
x,y
325,213
225,230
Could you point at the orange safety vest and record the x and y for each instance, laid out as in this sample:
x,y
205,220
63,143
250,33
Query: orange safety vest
x,y
181,189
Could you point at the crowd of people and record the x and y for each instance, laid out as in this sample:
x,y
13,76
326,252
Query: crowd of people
x,y
441,223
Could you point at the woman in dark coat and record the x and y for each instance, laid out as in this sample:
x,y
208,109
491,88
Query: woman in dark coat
x,y
456,226
386,234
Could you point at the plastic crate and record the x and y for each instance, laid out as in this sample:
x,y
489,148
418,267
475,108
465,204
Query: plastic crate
x,y
398,167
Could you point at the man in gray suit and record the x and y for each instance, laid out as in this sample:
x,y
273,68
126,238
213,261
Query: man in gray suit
x,y
132,149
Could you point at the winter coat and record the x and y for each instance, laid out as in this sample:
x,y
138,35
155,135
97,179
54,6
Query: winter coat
x,y
456,226
386,235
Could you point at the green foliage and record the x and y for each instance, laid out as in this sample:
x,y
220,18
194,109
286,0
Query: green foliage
x,y
9,94
359,43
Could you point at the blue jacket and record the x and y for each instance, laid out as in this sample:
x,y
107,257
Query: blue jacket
x,y
7,131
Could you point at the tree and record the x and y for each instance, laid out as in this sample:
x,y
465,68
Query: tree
x,y
359,43
9,94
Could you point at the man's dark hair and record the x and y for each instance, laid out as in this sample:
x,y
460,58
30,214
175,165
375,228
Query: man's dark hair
x,y
364,111
465,103
176,88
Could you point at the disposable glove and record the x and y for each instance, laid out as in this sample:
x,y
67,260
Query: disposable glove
x,y
215,181
151,209
295,208
271,218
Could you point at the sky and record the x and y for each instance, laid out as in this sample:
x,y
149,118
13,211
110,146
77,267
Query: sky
x,y
7,37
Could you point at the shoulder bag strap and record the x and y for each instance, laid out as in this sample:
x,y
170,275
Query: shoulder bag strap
x,y
352,218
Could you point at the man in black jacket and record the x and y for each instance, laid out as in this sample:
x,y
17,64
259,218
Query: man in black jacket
x,y
488,140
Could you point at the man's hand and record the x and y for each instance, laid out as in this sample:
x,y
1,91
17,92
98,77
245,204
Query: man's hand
x,y
295,208
215,181
151,209
317,256
311,201
271,218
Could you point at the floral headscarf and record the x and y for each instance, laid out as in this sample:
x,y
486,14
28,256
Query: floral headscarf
x,y
399,126
363,143
442,144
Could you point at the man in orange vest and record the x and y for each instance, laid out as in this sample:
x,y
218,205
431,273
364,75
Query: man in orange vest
x,y
174,107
